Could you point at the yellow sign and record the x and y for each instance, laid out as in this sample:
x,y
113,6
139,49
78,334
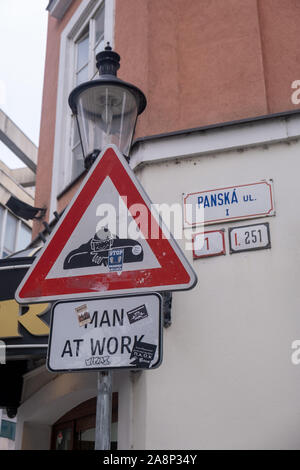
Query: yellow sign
x,y
10,318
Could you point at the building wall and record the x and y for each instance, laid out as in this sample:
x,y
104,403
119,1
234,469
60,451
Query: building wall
x,y
199,63
10,186
280,50
227,380
208,61
15,233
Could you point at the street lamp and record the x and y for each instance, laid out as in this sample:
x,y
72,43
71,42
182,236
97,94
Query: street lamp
x,y
106,112
106,109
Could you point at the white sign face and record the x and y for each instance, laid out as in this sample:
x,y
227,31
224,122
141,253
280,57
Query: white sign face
x,y
231,203
250,237
207,244
123,332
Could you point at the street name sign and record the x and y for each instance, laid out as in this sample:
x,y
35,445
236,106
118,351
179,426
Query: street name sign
x,y
111,333
109,241
244,201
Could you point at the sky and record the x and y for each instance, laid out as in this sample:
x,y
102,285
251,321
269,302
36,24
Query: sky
x,y
23,32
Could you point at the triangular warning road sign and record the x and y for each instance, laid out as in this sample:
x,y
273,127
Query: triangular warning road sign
x,y
100,248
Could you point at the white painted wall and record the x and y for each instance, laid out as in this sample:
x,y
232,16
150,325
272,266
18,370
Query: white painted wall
x,y
227,380
6,444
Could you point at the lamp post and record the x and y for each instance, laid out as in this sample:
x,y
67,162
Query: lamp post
x,y
106,112
106,109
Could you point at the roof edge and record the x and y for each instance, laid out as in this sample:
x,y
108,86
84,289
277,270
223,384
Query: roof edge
x,y
218,125
58,8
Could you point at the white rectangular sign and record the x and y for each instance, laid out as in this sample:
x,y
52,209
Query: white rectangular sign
x,y
122,332
249,237
229,203
206,244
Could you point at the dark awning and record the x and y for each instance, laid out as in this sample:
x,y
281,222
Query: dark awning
x,y
24,338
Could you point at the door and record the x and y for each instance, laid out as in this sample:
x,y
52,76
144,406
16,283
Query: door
x,y
76,429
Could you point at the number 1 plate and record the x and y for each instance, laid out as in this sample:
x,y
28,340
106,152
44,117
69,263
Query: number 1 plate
x,y
249,237
206,244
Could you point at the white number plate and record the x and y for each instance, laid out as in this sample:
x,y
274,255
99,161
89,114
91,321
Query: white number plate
x,y
250,237
211,243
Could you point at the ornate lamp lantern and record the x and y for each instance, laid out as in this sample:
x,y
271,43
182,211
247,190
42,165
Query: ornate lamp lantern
x,y
106,109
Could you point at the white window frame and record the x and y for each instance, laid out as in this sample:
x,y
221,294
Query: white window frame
x,y
62,159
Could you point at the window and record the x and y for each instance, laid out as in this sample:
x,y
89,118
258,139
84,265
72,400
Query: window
x,y
24,237
10,234
99,32
89,41
91,26
15,235
2,210
82,59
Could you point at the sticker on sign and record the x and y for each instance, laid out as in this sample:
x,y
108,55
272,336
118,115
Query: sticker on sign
x,y
122,332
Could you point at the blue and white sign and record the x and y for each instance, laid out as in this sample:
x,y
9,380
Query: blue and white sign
x,y
213,206
115,259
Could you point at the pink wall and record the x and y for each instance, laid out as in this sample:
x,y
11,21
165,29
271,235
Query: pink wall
x,y
208,61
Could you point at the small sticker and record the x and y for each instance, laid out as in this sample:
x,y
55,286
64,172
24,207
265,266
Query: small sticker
x,y
115,259
83,315
143,354
137,314
136,250
98,361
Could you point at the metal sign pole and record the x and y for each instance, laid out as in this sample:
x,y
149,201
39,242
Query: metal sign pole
x,y
103,414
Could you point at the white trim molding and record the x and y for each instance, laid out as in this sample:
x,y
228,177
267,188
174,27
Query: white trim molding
x,y
218,139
